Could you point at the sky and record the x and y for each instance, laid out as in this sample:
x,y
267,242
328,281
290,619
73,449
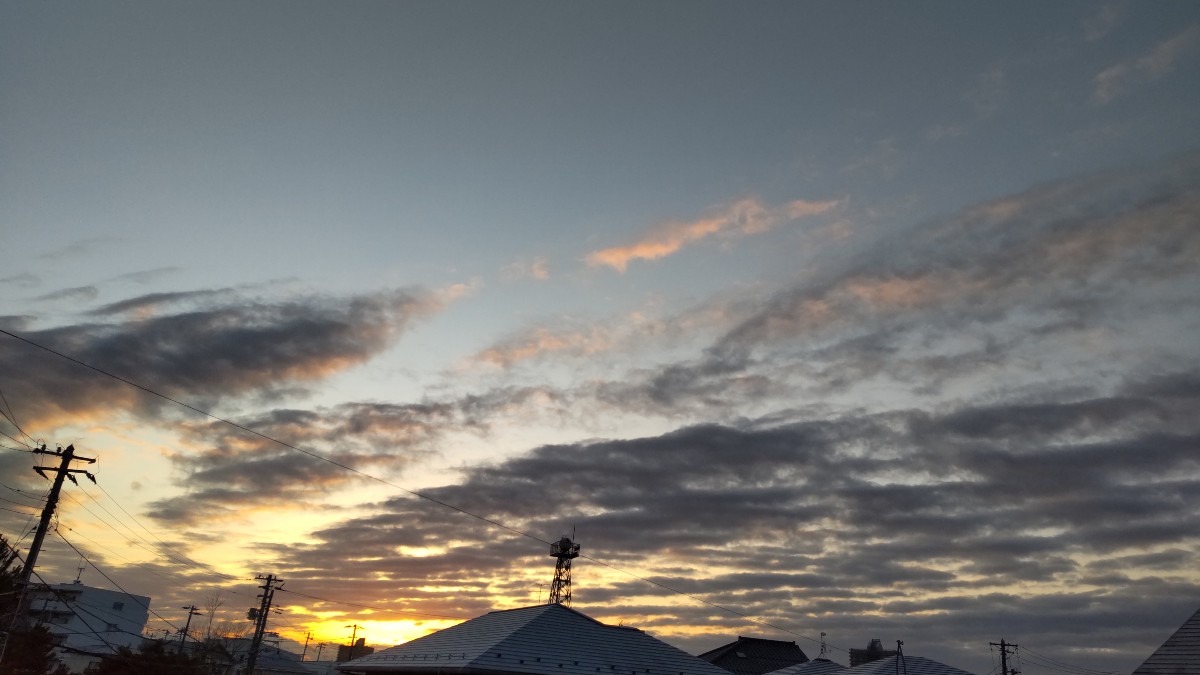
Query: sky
x,y
868,319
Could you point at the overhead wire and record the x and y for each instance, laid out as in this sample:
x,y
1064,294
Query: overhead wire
x,y
13,418
1048,662
114,583
384,481
170,548
57,594
24,493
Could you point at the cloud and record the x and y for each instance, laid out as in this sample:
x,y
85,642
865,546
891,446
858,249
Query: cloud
x,y
643,330
1095,232
540,341
235,473
146,276
77,294
23,280
744,217
1154,65
80,248
207,354
916,522
537,269
1056,277
1098,25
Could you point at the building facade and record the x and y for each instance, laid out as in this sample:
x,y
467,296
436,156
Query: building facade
x,y
88,621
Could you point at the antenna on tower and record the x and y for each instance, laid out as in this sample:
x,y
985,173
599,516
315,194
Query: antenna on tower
x,y
824,647
565,550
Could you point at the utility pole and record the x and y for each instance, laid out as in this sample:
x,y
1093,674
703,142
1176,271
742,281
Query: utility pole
x,y
320,648
259,614
353,635
1004,647
63,471
307,637
191,612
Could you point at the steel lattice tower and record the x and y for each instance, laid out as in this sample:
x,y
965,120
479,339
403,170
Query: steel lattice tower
x,y
565,550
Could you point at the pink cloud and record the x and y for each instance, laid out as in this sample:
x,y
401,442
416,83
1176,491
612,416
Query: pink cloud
x,y
743,217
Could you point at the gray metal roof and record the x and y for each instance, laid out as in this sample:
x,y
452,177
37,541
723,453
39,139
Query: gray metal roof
x,y
814,667
755,656
539,640
911,665
1179,655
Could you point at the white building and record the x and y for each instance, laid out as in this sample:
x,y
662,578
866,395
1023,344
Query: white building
x,y
89,621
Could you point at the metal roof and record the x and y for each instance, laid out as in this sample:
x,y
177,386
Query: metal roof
x,y
814,667
539,640
909,665
1179,655
755,656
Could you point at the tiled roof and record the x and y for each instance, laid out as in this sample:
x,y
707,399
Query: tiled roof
x,y
539,640
755,656
910,665
1179,655
814,667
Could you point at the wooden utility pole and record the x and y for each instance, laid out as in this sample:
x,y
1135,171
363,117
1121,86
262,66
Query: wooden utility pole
x,y
259,615
63,471
307,637
183,636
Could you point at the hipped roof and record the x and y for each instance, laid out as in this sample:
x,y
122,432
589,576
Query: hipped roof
x,y
539,640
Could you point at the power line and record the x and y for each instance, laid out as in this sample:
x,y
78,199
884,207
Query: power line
x,y
1065,667
180,556
13,418
23,493
114,583
389,483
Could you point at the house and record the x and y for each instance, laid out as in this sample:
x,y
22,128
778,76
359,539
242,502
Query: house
x,y
818,666
1179,655
88,621
910,665
755,656
540,640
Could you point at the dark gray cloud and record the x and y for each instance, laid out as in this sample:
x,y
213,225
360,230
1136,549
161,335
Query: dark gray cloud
x,y
233,470
914,525
205,356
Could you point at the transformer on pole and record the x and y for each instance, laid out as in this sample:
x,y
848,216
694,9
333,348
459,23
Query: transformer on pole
x,y
565,550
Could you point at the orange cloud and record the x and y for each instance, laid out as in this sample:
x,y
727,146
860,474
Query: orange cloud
x,y
743,217
542,341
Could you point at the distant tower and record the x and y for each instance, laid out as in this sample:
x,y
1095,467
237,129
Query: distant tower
x,y
565,550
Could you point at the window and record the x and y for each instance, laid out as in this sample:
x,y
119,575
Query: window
x,y
118,605
112,628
